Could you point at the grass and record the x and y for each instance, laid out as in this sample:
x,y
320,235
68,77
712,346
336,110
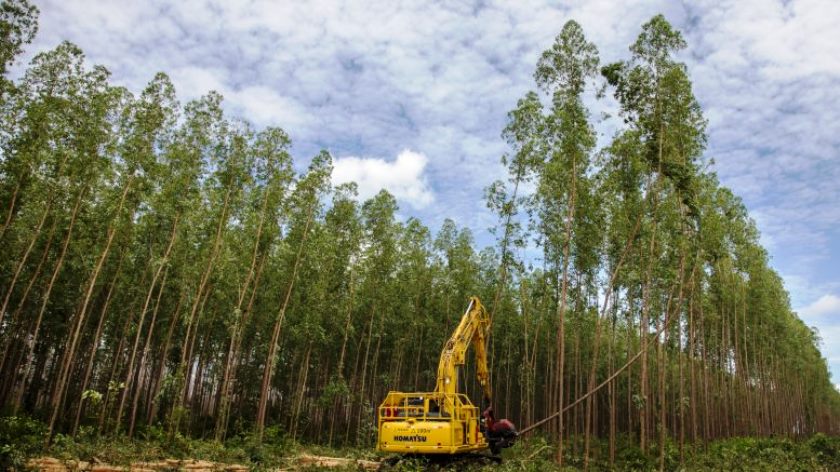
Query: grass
x,y
22,438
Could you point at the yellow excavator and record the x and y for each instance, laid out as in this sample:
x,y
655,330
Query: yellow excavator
x,y
445,422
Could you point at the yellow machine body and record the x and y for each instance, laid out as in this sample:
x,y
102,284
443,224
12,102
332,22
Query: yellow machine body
x,y
443,421
429,423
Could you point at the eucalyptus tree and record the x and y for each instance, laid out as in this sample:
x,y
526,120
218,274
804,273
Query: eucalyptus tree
x,y
656,101
378,263
18,26
305,205
302,357
169,230
562,181
73,118
342,225
224,145
507,199
523,134
144,124
620,177
150,129
413,334
267,201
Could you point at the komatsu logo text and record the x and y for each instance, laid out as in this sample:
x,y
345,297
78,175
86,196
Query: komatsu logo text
x,y
414,438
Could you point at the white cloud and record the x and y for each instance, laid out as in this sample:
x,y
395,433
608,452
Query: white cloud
x,y
827,304
266,107
403,177
192,81
259,104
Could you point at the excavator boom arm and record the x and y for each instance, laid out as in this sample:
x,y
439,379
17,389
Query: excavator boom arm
x,y
474,329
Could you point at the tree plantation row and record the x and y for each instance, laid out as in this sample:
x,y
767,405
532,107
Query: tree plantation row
x,y
167,267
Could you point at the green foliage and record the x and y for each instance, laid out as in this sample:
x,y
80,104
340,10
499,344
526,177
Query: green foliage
x,y
736,454
20,437
93,397
825,449
18,25
337,389
749,454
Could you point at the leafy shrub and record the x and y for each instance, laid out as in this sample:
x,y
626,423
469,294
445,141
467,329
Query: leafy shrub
x,y
20,437
632,458
825,449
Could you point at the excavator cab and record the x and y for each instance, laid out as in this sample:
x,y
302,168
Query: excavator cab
x,y
445,421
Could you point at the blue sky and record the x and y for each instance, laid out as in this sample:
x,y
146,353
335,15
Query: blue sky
x,y
412,96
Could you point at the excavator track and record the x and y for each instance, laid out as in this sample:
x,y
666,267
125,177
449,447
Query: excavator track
x,y
433,462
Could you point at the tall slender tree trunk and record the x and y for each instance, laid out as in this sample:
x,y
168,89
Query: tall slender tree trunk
x,y
348,319
561,315
164,353
278,324
223,409
142,362
22,262
198,300
301,382
645,327
613,398
115,364
19,333
129,374
363,383
12,206
45,301
662,370
608,296
73,339
95,344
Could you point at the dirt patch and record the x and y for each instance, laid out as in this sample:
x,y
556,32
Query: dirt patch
x,y
323,461
51,464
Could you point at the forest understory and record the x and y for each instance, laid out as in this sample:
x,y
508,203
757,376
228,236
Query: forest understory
x,y
275,452
174,283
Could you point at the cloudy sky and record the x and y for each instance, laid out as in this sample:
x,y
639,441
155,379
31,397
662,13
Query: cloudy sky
x,y
412,95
